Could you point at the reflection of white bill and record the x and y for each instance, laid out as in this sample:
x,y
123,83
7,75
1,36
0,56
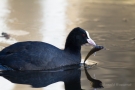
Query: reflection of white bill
x,y
89,62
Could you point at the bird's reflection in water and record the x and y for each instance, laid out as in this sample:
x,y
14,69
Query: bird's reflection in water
x,y
38,79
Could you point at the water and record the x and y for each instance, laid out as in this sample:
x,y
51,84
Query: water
x,y
110,23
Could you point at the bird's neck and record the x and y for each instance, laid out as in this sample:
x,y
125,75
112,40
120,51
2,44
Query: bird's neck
x,y
72,48
71,44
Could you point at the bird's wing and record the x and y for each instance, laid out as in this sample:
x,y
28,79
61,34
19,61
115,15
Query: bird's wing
x,y
28,55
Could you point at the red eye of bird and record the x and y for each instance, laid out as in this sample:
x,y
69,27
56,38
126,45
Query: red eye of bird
x,y
83,35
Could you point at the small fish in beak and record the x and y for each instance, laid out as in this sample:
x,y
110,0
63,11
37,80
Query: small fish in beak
x,y
93,50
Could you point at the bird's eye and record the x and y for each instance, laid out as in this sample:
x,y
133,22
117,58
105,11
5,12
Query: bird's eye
x,y
83,35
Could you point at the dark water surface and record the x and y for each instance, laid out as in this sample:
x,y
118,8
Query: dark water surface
x,y
111,23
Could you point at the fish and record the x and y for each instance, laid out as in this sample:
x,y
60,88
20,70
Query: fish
x,y
93,50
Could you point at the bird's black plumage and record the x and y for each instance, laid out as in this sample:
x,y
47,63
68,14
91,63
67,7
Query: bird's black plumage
x,y
36,55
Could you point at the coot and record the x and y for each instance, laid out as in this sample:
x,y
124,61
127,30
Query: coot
x,y
36,55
